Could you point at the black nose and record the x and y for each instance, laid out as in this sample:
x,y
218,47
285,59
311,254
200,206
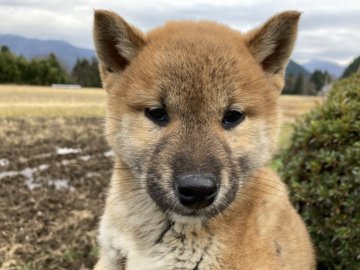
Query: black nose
x,y
196,191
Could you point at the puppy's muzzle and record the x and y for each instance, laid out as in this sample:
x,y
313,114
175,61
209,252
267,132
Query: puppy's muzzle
x,y
196,191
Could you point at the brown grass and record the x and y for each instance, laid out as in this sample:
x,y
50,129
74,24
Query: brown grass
x,y
293,106
46,101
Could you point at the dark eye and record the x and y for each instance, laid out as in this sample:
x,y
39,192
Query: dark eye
x,y
232,118
157,115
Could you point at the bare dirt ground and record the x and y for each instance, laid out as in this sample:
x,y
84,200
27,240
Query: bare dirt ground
x,y
53,174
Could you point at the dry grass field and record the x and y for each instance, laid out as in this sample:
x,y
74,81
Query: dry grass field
x,y
45,101
293,106
54,169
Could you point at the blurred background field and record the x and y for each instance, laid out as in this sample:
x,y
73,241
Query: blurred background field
x,y
54,168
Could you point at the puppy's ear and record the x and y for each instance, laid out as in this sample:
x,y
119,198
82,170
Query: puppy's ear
x,y
272,43
116,42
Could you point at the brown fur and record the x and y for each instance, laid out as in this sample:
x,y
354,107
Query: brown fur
x,y
197,71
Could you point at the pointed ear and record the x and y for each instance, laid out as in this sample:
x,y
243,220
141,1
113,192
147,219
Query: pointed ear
x,y
272,43
116,42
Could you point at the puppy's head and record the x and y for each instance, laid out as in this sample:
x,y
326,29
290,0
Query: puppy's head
x,y
192,106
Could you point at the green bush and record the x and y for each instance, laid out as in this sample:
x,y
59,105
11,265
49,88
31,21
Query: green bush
x,y
322,170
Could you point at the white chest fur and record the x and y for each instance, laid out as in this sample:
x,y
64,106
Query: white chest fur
x,y
149,242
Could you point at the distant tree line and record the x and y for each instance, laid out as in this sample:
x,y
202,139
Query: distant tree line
x,y
313,84
17,69
46,71
303,85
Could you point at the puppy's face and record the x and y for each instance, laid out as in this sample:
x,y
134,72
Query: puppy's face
x,y
192,107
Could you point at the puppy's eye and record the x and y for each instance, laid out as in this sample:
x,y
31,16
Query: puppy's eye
x,y
232,118
157,115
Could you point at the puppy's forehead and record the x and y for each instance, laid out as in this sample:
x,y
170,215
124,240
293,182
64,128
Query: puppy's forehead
x,y
195,68
199,77
198,66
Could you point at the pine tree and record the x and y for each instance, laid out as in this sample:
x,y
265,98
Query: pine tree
x,y
9,70
354,67
320,78
86,73
299,85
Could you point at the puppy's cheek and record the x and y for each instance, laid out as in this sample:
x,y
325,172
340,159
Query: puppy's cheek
x,y
230,182
133,153
224,188
159,186
135,141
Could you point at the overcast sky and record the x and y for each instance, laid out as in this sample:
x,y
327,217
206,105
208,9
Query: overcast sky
x,y
329,29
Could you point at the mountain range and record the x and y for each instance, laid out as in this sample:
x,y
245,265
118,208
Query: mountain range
x,y
294,68
332,68
68,54
37,48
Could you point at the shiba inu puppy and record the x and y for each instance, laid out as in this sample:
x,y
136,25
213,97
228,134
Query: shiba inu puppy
x,y
192,117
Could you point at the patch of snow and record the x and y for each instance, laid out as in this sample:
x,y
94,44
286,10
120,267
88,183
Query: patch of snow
x,y
43,167
85,158
59,183
30,184
92,174
66,151
4,162
45,155
27,172
67,161
8,174
109,154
